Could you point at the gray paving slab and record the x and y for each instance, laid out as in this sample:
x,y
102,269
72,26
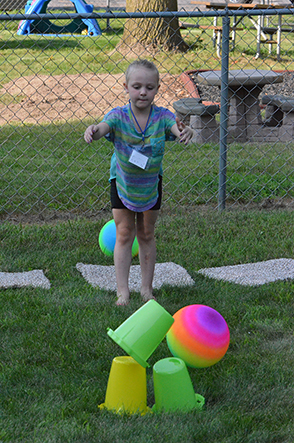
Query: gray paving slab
x,y
165,274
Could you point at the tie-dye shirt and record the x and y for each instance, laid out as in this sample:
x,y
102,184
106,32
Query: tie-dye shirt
x,y
136,187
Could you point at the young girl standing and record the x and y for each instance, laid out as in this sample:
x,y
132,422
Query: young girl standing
x,y
138,131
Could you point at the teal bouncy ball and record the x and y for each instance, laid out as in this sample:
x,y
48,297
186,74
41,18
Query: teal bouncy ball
x,y
107,238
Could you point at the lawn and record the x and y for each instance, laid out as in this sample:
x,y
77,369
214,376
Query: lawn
x,y
28,55
56,355
49,169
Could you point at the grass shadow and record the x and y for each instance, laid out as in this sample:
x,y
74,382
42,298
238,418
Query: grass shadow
x,y
41,44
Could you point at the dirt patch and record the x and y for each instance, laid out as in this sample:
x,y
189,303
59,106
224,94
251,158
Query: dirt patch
x,y
40,98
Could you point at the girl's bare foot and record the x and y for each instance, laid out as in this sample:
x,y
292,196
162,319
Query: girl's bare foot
x,y
147,296
122,300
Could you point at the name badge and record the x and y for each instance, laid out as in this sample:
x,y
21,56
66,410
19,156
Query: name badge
x,y
138,159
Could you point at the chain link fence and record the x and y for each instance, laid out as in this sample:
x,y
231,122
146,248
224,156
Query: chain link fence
x,y
63,70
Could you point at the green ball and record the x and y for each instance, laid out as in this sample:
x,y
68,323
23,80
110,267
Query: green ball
x,y
107,238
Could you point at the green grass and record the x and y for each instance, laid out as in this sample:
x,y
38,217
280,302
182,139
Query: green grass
x,y
77,54
49,168
55,354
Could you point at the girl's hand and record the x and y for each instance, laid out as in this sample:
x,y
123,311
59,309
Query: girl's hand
x,y
90,131
186,133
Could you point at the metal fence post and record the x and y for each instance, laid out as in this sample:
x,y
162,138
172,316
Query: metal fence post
x,y
224,112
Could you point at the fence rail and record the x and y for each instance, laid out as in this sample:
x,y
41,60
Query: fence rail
x,y
52,86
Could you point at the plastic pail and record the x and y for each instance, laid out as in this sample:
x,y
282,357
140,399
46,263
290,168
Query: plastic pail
x,y
173,389
126,387
143,331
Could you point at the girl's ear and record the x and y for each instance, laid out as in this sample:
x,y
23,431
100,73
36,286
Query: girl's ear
x,y
126,87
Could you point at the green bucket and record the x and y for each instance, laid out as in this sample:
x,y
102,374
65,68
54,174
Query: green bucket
x,y
173,389
143,331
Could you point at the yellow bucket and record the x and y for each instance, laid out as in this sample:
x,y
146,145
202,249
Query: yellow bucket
x,y
127,388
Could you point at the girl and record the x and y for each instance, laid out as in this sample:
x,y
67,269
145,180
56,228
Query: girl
x,y
138,131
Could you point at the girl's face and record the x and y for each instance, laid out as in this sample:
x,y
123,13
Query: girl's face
x,y
142,87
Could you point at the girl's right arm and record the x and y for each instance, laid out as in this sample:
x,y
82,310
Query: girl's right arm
x,y
95,132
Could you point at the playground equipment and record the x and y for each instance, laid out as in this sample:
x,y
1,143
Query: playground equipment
x,y
45,26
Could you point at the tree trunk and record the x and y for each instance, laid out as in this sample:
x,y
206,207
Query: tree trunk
x,y
153,33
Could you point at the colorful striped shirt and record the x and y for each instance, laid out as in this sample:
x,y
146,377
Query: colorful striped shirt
x,y
137,187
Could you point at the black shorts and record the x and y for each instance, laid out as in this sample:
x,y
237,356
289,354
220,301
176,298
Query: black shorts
x,y
116,202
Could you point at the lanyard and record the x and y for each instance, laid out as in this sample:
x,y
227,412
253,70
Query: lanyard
x,y
142,132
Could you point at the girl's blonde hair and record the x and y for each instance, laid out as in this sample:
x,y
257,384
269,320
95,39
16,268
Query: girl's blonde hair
x,y
141,64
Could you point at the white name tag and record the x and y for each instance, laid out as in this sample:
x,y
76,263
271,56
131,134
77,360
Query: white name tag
x,y
138,159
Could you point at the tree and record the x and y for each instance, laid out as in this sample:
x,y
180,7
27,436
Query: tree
x,y
152,33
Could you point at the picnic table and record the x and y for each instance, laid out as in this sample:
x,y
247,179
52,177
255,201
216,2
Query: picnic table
x,y
245,86
262,32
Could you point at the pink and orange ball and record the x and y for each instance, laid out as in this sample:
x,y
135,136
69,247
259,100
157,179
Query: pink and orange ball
x,y
199,336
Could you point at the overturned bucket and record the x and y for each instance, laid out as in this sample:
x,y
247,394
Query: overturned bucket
x,y
173,389
126,388
143,331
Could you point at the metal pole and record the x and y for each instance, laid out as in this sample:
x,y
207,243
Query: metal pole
x,y
224,113
108,20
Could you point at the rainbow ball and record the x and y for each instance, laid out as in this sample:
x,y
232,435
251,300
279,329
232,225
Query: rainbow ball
x,y
199,335
107,238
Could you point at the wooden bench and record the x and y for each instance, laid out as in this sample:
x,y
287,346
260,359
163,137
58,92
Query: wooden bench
x,y
271,31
